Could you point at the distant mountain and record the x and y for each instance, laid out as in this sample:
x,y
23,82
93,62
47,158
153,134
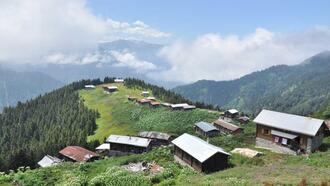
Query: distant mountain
x,y
21,86
105,63
300,89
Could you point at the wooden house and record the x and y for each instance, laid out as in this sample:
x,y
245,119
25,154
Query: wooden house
x,y
128,144
145,93
244,119
199,154
226,127
132,98
103,148
144,101
231,113
206,129
182,106
154,104
110,89
78,154
157,138
151,98
288,133
119,80
89,87
48,161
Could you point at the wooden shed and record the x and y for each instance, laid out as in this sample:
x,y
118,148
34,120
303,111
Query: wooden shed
x,y
199,154
158,138
231,113
288,133
78,154
110,89
144,101
206,129
48,161
226,127
128,144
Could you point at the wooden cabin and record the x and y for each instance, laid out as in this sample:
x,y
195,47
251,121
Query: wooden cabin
x,y
199,154
145,93
182,106
154,104
327,128
132,98
206,129
89,87
144,101
244,119
128,144
48,161
78,154
231,113
157,138
226,127
288,133
119,80
110,89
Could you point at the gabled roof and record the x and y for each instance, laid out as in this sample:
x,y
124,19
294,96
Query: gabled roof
x,y
226,125
205,126
294,123
129,140
48,160
112,87
154,135
196,147
77,153
89,86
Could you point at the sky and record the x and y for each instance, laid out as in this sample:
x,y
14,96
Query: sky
x,y
209,39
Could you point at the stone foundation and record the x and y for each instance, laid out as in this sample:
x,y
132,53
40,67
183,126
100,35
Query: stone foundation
x,y
262,143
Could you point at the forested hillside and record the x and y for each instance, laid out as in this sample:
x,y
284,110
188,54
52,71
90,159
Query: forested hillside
x,y
300,89
21,86
43,126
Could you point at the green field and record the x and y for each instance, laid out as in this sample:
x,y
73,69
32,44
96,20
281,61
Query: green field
x,y
120,116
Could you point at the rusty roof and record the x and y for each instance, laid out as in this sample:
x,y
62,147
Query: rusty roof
x,y
77,153
154,103
144,101
226,125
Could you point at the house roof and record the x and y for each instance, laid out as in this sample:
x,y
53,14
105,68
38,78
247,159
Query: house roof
x,y
145,92
112,87
77,153
129,140
104,146
48,160
89,86
154,103
151,98
205,126
166,104
294,123
196,147
244,118
144,101
154,135
226,125
179,105
119,80
232,111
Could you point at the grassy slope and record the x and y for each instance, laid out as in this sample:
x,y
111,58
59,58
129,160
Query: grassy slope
x,y
123,117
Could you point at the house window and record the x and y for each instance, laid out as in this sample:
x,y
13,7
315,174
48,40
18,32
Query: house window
x,y
265,131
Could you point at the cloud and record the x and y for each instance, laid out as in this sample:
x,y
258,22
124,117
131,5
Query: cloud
x,y
127,59
137,30
31,30
217,57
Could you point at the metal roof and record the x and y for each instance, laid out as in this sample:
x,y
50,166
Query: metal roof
x,y
112,87
89,86
232,111
226,125
289,122
196,147
154,135
205,126
129,140
104,146
179,105
48,160
77,153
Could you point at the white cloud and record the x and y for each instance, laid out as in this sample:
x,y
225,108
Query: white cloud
x,y
30,30
128,59
137,30
216,57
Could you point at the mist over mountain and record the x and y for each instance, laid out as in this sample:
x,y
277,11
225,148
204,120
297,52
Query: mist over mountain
x,y
21,86
300,89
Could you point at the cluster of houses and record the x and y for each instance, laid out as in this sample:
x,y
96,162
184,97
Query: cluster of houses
x,y
276,131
